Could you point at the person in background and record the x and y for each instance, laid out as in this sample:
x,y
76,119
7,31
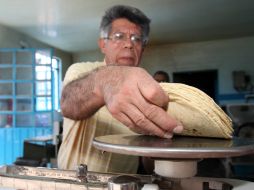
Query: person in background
x,y
114,96
161,76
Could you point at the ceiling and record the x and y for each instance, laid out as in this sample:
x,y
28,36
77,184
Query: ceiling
x,y
72,25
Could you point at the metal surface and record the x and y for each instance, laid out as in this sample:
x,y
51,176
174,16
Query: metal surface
x,y
70,176
124,182
177,147
27,178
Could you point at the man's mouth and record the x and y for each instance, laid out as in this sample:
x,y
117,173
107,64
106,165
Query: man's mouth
x,y
126,60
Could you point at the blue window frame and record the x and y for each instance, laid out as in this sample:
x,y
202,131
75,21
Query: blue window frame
x,y
30,84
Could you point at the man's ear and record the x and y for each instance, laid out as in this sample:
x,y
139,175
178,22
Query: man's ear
x,y
101,44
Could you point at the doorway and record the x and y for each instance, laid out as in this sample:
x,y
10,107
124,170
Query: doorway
x,y
206,81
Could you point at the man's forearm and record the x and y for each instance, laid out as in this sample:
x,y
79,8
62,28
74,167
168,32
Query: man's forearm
x,y
81,98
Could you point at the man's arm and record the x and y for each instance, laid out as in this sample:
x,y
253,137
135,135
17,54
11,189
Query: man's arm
x,y
80,99
131,95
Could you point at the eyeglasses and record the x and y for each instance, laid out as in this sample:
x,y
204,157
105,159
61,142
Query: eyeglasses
x,y
120,37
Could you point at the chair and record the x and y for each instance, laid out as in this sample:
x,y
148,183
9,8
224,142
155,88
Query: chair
x,y
36,154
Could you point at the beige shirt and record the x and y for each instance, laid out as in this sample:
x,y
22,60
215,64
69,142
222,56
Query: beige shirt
x,y
76,147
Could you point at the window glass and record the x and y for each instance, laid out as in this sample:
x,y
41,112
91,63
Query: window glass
x,y
6,73
48,81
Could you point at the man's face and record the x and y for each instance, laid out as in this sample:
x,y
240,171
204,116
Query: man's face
x,y
119,49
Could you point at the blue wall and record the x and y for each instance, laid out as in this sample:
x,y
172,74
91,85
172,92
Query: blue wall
x,y
11,141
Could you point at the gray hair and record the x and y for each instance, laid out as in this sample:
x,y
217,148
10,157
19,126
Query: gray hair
x,y
132,14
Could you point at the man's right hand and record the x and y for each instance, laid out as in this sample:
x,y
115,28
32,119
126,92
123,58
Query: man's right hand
x,y
134,98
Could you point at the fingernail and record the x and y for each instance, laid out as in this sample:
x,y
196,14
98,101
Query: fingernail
x,y
168,135
178,129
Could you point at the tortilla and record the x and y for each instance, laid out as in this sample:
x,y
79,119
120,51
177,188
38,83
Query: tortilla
x,y
198,113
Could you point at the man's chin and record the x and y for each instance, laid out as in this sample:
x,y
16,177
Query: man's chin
x,y
126,62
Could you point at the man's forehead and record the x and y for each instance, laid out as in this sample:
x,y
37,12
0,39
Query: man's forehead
x,y
124,24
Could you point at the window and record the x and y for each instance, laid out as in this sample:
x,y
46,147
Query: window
x,y
57,70
48,81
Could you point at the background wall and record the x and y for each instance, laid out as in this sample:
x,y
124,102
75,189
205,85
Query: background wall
x,y
225,55
88,56
9,38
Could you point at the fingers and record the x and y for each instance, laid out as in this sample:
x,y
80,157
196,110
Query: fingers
x,y
153,93
157,115
143,123
146,124
130,124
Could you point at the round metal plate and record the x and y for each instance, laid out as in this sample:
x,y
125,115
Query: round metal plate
x,y
177,147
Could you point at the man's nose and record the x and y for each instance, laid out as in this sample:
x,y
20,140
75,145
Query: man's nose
x,y
128,43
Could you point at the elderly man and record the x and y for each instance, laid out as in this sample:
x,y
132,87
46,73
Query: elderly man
x,y
112,97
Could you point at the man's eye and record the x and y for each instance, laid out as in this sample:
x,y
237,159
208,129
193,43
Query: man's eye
x,y
136,38
118,36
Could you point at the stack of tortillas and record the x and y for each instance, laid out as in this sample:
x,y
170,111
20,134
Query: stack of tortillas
x,y
198,113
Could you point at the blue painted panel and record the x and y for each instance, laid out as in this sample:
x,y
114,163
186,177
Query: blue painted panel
x,y
8,145
11,141
2,147
17,144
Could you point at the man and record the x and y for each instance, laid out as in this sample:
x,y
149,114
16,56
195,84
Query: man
x,y
161,76
94,92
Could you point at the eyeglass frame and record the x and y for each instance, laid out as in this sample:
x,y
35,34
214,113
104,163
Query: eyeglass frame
x,y
142,41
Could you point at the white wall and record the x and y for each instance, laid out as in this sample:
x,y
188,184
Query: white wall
x,y
10,38
224,55
88,56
